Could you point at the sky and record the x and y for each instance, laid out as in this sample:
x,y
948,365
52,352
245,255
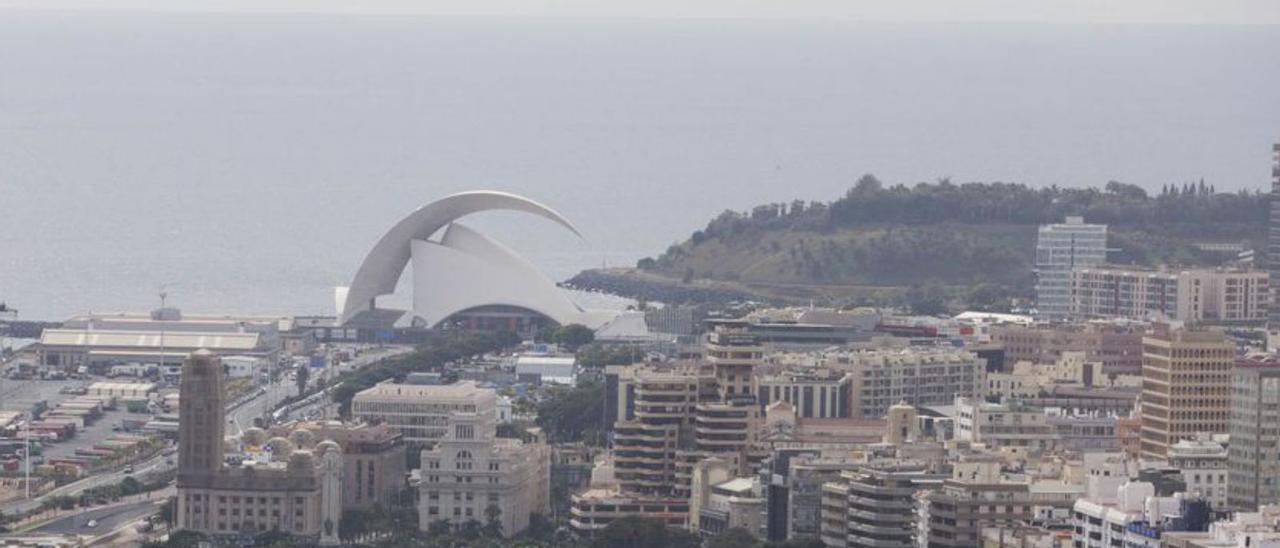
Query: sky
x,y
1052,11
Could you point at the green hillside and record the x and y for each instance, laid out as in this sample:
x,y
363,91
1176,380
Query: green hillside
x,y
971,244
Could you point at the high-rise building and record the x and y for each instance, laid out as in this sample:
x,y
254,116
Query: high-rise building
x,y
875,505
1186,386
201,427
977,495
1061,248
1253,463
1273,238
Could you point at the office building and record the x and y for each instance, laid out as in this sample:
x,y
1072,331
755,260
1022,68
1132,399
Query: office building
x,y
1061,248
1253,465
1203,463
1272,256
421,413
1186,386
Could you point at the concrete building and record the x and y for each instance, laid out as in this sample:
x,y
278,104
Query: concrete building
x,y
721,501
883,374
1117,345
733,354
1004,425
1203,463
792,482
976,495
875,505
1272,256
373,458
656,410
1061,248
421,413
815,393
1186,386
470,474
1252,462
1259,529
547,369
300,496
1133,516
1197,295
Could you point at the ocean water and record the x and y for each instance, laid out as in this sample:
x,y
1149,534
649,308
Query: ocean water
x,y
246,163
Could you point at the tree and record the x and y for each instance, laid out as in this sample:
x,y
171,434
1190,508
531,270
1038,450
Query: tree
x,y
168,512
301,376
493,520
735,537
573,336
574,414
634,532
439,528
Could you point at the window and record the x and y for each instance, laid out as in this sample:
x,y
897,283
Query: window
x,y
464,460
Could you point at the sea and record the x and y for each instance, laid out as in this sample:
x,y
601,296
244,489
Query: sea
x,y
246,163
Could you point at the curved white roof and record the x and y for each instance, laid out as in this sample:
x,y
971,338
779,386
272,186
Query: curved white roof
x,y
385,263
466,270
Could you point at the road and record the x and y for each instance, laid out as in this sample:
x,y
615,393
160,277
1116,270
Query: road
x,y
142,471
108,519
264,403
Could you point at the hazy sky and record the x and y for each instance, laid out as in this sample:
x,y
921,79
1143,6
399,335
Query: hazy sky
x,y
1095,11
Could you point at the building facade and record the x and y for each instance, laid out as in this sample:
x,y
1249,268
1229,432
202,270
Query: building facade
x,y
1117,346
1061,248
421,413
1186,386
1199,295
1253,460
875,505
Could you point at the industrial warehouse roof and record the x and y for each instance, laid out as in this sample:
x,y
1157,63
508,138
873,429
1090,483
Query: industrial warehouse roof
x,y
111,387
148,339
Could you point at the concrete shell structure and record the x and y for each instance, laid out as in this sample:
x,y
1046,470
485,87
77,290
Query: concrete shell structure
x,y
462,270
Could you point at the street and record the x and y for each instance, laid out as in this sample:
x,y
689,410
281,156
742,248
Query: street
x,y
108,519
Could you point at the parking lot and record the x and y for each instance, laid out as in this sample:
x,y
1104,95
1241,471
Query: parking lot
x,y
20,395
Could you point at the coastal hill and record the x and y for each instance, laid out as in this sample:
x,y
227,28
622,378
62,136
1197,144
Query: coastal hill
x,y
931,244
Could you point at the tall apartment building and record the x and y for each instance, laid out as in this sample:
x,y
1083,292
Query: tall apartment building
x,y
421,412
875,505
1186,386
1221,295
656,409
1118,346
792,481
1061,248
1253,456
1273,238
733,354
470,474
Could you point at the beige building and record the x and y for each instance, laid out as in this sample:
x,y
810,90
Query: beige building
x,y
1186,386
300,496
470,474
1200,295
875,505
721,501
373,459
1117,345
978,495
421,412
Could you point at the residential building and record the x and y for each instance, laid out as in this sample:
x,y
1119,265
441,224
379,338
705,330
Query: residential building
x,y
1133,516
1252,461
470,474
976,495
421,413
1203,463
1061,248
884,375
1259,529
875,505
1186,386
1117,345
733,354
1221,295
792,482
999,425
1272,256
656,410
721,501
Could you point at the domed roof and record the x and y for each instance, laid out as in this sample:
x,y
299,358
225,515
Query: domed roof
x,y
327,446
301,461
281,448
254,436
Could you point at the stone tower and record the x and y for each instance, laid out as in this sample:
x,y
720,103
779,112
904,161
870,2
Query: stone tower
x,y
202,405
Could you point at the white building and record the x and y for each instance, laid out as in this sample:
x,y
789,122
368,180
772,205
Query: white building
x,y
1204,467
471,475
1060,248
421,412
547,369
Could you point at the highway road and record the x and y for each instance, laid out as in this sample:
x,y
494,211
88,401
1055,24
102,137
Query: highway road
x,y
108,519
142,472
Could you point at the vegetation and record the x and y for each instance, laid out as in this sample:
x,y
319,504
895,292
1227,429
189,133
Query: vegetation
x,y
598,355
573,336
946,234
431,356
574,414
302,375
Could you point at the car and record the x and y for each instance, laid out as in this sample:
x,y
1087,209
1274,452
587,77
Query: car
x,y
91,523
128,469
